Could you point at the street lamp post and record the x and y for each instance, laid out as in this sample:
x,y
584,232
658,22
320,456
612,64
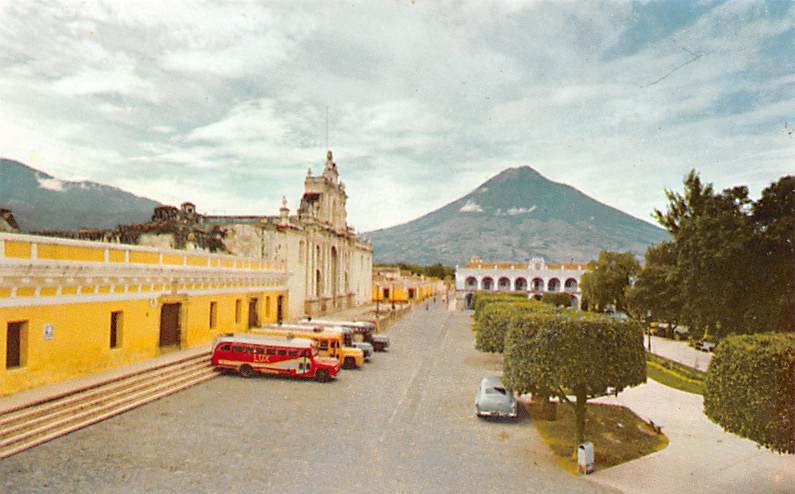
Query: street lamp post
x,y
648,327
377,298
392,296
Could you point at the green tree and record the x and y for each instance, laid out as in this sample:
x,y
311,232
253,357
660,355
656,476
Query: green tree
x,y
607,283
565,356
750,389
773,252
714,237
656,291
493,323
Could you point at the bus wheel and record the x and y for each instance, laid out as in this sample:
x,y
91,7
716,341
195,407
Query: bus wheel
x,y
349,363
322,376
246,371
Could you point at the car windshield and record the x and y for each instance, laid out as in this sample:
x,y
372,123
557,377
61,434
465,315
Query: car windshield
x,y
495,390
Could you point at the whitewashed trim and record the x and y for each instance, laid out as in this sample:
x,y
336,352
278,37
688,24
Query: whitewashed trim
x,y
124,297
36,239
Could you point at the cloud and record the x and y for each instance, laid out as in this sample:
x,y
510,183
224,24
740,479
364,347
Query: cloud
x,y
50,183
471,207
226,105
515,211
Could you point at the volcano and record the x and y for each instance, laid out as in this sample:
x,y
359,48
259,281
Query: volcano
x,y
514,216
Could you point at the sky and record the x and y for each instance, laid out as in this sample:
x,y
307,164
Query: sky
x,y
227,104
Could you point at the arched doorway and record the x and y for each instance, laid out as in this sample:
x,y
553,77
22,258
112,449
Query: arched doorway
x,y
504,284
468,301
538,285
520,285
471,283
570,285
553,285
487,283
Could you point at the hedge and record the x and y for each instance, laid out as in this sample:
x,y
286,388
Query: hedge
x,y
750,389
493,323
482,299
558,299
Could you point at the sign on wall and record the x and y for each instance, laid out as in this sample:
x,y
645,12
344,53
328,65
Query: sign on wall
x,y
48,331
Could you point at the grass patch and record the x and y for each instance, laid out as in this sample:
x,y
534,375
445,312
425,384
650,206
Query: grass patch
x,y
674,374
618,435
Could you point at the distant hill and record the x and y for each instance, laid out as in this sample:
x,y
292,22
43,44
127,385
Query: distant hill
x,y
42,202
514,216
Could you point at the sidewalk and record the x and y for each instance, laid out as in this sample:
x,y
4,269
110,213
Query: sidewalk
x,y
679,351
15,400
701,457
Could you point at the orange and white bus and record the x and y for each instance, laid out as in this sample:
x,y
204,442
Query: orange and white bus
x,y
347,335
329,344
249,354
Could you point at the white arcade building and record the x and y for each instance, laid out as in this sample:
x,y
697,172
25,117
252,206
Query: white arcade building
x,y
533,278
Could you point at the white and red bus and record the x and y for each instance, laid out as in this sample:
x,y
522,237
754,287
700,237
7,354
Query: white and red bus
x,y
367,329
249,354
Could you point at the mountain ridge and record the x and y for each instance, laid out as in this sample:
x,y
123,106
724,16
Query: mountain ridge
x,y
42,202
515,215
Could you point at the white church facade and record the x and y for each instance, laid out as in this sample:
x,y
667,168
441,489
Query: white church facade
x,y
329,264
533,278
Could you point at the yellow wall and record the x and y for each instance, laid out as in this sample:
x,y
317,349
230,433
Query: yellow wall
x,y
81,334
399,293
77,303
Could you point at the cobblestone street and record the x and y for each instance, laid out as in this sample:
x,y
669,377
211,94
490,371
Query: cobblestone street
x,y
403,423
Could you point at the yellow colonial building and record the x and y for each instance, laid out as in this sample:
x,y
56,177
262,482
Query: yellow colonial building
x,y
71,307
391,285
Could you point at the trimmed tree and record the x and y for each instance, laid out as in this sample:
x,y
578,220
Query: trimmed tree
x,y
582,358
493,323
750,389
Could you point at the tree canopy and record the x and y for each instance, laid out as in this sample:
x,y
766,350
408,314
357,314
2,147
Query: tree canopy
x,y
731,262
656,291
563,355
606,284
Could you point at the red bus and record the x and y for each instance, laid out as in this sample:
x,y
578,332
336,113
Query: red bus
x,y
249,354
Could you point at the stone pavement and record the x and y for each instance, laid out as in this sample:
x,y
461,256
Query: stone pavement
x,y
679,351
701,457
404,423
15,400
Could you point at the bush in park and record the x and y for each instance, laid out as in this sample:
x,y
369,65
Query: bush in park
x,y
493,323
482,299
557,299
561,355
750,389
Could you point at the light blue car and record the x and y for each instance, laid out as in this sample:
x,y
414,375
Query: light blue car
x,y
493,400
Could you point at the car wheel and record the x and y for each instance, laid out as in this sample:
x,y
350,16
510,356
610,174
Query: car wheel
x,y
322,376
246,371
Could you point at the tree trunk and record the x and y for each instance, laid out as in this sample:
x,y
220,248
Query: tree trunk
x,y
579,410
549,409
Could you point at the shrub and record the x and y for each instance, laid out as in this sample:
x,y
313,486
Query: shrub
x,y
750,389
557,299
493,323
482,299
561,355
